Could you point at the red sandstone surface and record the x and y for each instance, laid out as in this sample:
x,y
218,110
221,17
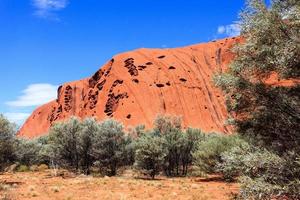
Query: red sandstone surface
x,y
134,87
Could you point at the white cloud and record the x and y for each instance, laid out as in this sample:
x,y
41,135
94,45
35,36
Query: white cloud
x,y
17,118
221,29
230,30
35,95
45,8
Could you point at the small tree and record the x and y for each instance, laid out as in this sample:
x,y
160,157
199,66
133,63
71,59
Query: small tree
x,y
86,136
209,151
165,123
45,152
27,151
261,92
150,154
263,174
191,139
129,150
109,146
64,138
169,128
174,141
7,142
179,144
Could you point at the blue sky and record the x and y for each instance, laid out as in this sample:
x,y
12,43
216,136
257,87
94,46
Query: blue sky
x,y
44,43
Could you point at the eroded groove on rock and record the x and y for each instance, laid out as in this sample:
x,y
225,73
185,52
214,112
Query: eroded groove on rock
x,y
129,64
113,99
68,98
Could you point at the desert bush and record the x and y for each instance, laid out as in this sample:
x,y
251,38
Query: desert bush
x,y
136,131
164,124
64,140
34,151
89,128
27,151
256,189
179,144
267,175
263,174
267,113
23,168
150,154
129,151
231,164
191,138
209,151
109,146
45,151
7,142
173,143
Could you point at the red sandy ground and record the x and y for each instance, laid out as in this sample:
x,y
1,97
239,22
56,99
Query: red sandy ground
x,y
42,186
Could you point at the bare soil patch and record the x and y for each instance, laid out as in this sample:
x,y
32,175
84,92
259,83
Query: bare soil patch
x,y
43,186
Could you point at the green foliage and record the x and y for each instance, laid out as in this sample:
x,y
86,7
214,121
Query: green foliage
x,y
77,145
45,154
150,154
173,143
270,113
27,151
137,131
257,189
109,147
23,168
272,39
179,144
166,123
129,151
263,174
90,128
231,163
65,141
190,140
267,113
7,142
267,175
209,151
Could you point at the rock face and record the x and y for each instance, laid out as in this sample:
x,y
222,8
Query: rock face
x,y
136,86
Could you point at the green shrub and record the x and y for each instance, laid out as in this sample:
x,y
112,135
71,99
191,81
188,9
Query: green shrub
x,y
23,168
231,163
264,174
45,151
190,140
7,142
27,151
257,189
78,145
150,154
179,144
86,136
109,147
209,151
64,139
